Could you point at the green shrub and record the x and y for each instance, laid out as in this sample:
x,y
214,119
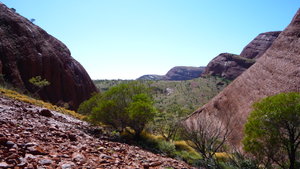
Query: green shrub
x,y
125,105
87,106
38,83
166,147
191,158
272,132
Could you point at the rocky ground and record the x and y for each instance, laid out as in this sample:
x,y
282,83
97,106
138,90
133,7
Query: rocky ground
x,y
33,137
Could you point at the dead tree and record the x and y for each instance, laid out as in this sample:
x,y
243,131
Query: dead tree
x,y
208,135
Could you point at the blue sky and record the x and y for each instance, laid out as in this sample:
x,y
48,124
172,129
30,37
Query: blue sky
x,y
124,39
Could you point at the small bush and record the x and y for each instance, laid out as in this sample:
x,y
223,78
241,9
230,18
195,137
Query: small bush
x,y
39,83
191,158
166,147
87,106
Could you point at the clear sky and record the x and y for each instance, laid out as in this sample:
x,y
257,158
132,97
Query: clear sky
x,y
124,39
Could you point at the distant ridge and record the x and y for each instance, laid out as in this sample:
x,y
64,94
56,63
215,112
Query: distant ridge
x,y
177,73
225,65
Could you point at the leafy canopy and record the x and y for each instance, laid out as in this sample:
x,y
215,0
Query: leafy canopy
x,y
87,106
272,132
125,105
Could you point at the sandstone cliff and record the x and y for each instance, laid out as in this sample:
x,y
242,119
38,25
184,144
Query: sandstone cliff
x,y
27,51
276,71
230,66
259,45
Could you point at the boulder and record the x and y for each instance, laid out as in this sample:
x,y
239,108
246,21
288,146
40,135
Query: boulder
x,y
46,113
28,51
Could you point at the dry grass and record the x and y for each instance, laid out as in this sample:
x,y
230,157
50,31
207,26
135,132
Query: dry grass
x,y
17,96
150,136
183,145
222,156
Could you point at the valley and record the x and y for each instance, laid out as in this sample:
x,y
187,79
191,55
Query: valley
x,y
186,94
238,111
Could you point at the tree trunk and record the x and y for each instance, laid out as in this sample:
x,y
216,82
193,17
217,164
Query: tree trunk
x,y
292,157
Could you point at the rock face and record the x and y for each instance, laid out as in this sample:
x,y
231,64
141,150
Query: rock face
x,y
177,73
259,45
230,66
276,71
184,73
27,51
31,140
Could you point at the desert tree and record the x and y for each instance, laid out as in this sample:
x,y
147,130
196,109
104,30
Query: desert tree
x,y
272,132
87,106
39,83
208,135
125,105
168,121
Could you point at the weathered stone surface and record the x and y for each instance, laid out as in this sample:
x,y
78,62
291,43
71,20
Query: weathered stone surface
x,y
276,71
78,157
45,162
27,51
5,165
259,45
36,150
3,140
46,113
228,66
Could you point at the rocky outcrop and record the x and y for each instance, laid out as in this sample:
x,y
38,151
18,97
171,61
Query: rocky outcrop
x,y
259,45
230,66
276,71
151,77
30,140
28,51
184,73
177,73
226,65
